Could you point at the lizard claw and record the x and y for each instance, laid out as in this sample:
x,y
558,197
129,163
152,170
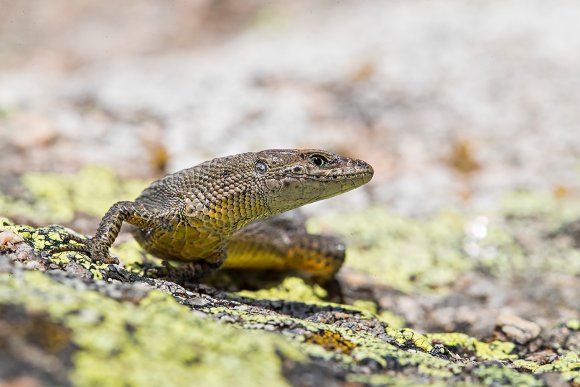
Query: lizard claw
x,y
98,254
86,246
108,259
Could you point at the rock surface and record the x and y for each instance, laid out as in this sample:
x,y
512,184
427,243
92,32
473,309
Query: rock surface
x,y
68,321
468,112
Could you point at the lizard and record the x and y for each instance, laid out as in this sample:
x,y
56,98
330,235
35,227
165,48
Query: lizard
x,y
217,212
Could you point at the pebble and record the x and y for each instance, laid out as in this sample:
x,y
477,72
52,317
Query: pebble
x,y
8,240
516,329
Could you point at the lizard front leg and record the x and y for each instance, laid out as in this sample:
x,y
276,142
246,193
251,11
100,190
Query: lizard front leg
x,y
98,246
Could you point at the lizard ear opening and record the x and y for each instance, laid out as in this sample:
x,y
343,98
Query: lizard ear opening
x,y
261,167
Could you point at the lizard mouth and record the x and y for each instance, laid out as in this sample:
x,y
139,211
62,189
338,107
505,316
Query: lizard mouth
x,y
336,176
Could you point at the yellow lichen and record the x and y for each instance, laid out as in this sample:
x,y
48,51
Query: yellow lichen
x,y
497,350
57,197
155,342
291,289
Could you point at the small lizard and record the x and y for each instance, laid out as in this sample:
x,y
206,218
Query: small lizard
x,y
217,210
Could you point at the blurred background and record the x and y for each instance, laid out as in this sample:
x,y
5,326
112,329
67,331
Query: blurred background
x,y
468,111
453,102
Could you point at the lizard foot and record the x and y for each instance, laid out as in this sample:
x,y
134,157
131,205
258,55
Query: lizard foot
x,y
88,246
190,272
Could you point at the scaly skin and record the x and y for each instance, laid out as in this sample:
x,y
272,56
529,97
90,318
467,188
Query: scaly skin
x,y
282,243
199,214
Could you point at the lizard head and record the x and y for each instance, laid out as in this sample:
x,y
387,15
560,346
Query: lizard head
x,y
291,178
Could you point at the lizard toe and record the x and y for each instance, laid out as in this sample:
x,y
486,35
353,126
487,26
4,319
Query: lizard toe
x,y
99,254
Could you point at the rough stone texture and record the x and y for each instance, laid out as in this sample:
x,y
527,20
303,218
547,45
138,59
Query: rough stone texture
x,y
81,315
456,103
122,330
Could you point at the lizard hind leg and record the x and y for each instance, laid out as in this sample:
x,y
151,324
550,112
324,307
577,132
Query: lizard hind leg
x,y
277,244
319,255
190,272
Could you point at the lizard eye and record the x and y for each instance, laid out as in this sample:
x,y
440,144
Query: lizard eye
x,y
318,160
261,167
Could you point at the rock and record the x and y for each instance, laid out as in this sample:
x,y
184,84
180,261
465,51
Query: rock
x,y
8,240
516,329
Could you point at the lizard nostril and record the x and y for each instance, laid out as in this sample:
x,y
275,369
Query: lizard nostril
x,y
360,163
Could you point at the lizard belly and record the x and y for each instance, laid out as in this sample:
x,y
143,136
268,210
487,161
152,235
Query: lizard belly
x,y
181,243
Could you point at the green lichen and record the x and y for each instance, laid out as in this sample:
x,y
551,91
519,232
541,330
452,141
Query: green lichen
x,y
428,254
367,305
131,255
167,343
99,327
157,342
291,289
460,342
382,243
496,375
54,197
568,365
409,337
387,380
391,319
47,238
5,222
525,365
523,203
362,346
573,325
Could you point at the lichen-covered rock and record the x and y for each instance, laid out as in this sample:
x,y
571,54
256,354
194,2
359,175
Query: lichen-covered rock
x,y
65,320
128,329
